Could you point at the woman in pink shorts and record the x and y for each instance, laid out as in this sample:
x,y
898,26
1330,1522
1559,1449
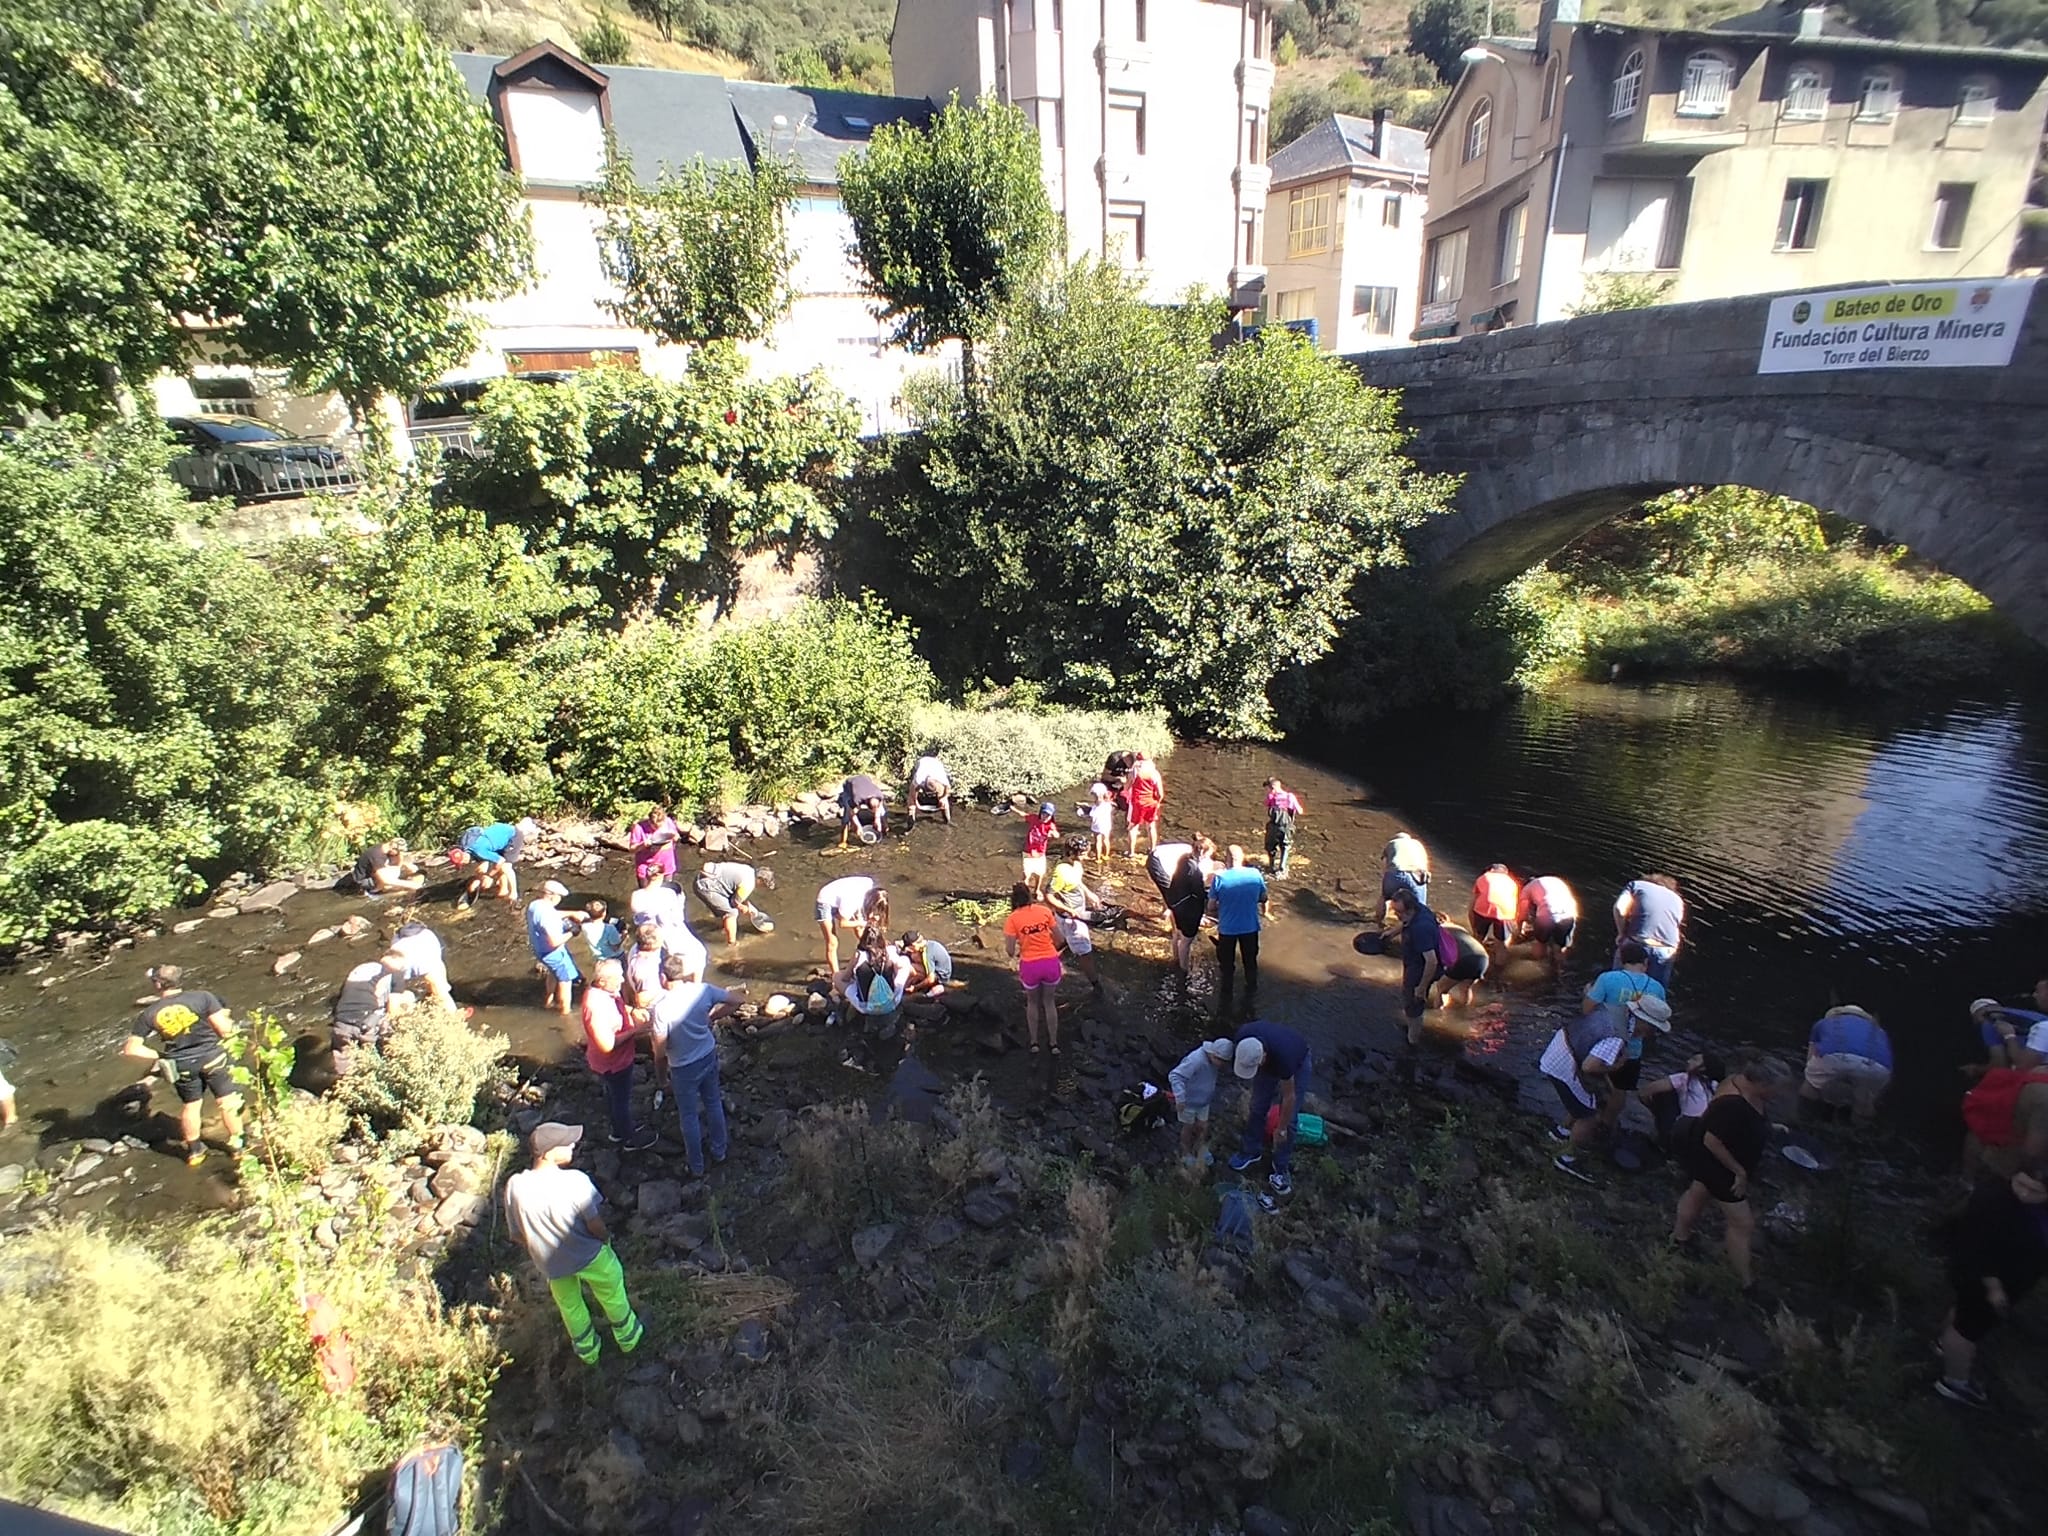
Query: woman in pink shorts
x,y
1031,933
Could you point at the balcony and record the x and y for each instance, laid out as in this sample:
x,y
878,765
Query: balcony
x,y
1034,65
1255,79
1252,183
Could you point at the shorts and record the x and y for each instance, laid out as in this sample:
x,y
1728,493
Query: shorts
x,y
1975,1316
714,896
1484,928
194,1083
1467,968
1575,1108
1194,1114
1037,974
828,915
1555,932
1856,1081
930,794
376,1028
1147,816
560,963
1075,932
1688,1145
1627,1074
1034,864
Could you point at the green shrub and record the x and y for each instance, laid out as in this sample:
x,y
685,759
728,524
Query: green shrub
x,y
174,1388
1173,1335
428,1073
1001,752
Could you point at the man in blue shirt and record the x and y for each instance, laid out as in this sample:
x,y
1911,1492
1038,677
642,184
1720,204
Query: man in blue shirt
x,y
1421,961
1236,896
1651,912
1275,1061
494,848
1613,991
687,1051
1848,1061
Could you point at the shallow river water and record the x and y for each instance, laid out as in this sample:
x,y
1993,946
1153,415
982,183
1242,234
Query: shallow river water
x,y
1897,858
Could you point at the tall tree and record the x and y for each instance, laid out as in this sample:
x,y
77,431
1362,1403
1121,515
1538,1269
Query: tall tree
x,y
126,136
704,254
950,222
387,213
1441,30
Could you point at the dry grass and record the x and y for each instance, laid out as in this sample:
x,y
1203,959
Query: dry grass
x,y
1076,1262
1594,1360
1716,1422
973,1145
846,1169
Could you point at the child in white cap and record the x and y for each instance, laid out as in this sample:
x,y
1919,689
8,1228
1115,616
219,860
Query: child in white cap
x,y
1194,1094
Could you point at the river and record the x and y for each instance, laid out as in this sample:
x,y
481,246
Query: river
x,y
1892,856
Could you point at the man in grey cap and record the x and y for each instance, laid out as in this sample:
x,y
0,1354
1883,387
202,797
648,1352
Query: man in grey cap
x,y
553,1210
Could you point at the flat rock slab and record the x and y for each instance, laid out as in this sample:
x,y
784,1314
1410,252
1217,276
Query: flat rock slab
x,y
267,898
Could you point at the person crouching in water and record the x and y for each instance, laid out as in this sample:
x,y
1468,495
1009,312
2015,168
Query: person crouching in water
x,y
1682,1095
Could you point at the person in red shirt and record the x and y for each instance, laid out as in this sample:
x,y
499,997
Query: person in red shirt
x,y
610,1035
1146,793
1039,831
1031,933
1496,899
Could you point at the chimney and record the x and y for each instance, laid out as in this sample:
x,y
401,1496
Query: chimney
x,y
1811,20
1379,133
1551,13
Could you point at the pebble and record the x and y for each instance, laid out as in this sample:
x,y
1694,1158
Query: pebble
x,y
187,925
285,962
321,936
870,1243
987,1209
1218,1431
84,1165
11,1177
660,1197
750,1342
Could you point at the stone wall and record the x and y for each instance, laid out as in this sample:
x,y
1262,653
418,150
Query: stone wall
x,y
1558,427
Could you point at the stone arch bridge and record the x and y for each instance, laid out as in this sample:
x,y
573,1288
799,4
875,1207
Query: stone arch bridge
x,y
1558,427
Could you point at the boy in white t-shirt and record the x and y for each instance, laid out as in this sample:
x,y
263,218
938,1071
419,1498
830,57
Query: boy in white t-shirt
x,y
1682,1095
1101,820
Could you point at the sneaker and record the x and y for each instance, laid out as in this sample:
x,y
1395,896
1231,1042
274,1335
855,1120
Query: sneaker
x,y
195,1153
1561,1133
1968,1393
1239,1161
642,1139
1282,1184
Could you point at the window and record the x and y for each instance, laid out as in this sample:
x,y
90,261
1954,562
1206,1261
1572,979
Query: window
x,y
1703,89
1127,232
1444,280
1671,246
1976,102
1249,240
1799,215
1879,101
559,135
1628,86
1126,128
1806,95
1023,16
1390,211
1514,224
1376,307
1308,222
1951,213
1550,76
1254,136
1138,19
1056,17
1295,304
1477,127
1257,19
1628,224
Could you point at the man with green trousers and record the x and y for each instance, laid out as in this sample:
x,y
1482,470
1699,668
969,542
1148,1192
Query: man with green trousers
x,y
553,1210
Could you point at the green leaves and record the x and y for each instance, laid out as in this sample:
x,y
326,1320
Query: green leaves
x,y
703,256
950,222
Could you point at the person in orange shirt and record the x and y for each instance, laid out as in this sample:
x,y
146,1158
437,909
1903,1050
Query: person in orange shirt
x,y
1031,934
1495,900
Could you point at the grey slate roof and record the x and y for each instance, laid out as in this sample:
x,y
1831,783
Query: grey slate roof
x,y
1345,143
669,117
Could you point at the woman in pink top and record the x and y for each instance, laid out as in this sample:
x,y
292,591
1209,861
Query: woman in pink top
x,y
653,840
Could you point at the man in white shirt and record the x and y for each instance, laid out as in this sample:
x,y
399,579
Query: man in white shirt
x,y
664,904
1581,1060
931,788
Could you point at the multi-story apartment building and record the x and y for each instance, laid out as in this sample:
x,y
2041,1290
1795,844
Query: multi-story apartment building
x,y
1344,226
1769,152
1151,117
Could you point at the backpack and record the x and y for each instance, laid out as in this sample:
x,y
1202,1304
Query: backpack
x,y
1137,1110
1446,947
426,1493
1988,1108
1234,1223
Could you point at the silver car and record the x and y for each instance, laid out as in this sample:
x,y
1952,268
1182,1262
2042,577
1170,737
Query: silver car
x,y
251,460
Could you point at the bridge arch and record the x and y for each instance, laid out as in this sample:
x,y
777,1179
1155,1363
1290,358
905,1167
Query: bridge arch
x,y
1557,428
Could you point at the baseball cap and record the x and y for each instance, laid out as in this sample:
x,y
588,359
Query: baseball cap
x,y
1653,1011
550,1134
554,888
1251,1055
1220,1046
458,857
1986,1005
1047,809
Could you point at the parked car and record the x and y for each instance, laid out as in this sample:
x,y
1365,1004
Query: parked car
x,y
249,460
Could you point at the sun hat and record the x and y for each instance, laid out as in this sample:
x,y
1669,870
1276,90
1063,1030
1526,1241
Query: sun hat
x,y
1250,1055
1653,1011
550,1134
554,888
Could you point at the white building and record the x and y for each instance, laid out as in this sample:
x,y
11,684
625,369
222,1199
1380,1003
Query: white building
x,y
1151,117
1344,227
556,110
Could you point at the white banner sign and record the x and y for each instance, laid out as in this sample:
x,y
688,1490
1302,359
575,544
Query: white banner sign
x,y
1967,323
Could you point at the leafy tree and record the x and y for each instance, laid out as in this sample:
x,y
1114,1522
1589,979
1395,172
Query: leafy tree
x,y
387,213
1132,521
604,41
950,222
1606,292
1298,108
157,700
646,493
126,137
1441,30
704,255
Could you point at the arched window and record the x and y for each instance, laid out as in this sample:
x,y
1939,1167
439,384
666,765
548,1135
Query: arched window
x,y
1703,90
1879,101
1806,94
1478,126
1550,78
1976,102
1628,85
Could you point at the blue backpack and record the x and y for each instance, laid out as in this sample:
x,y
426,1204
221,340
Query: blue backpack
x,y
426,1493
1234,1223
